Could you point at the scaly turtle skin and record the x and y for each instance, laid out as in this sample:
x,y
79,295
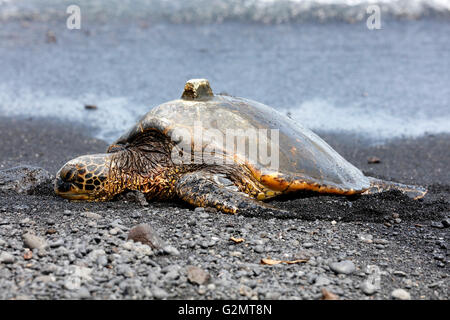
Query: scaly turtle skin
x,y
159,157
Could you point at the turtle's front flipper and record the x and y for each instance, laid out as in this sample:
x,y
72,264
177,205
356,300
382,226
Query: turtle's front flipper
x,y
203,189
377,186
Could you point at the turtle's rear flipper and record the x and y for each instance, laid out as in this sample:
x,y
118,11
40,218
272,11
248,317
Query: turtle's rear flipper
x,y
202,189
377,186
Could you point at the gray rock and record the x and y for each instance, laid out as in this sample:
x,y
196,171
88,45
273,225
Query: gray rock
x,y
171,275
125,270
436,284
159,293
204,215
152,277
117,223
145,234
368,287
72,283
33,242
91,215
57,243
400,294
343,267
305,254
308,245
436,224
366,238
197,275
6,258
446,222
381,241
201,290
102,260
171,250
114,231
26,221
322,281
259,249
24,179
83,293
137,197
45,279
272,295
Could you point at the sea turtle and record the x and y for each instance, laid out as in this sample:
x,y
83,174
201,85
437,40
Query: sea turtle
x,y
189,149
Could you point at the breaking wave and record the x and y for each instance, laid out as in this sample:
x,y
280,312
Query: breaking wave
x,y
217,11
379,124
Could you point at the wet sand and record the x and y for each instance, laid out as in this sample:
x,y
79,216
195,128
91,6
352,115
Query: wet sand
x,y
407,241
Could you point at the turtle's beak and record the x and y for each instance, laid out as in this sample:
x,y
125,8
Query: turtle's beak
x,y
69,190
83,178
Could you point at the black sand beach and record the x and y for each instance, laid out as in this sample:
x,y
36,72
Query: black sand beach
x,y
87,256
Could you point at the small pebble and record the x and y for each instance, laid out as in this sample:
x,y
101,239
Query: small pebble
x,y
399,273
6,258
83,293
102,260
372,160
145,234
272,295
368,287
91,215
197,275
322,281
436,224
34,242
343,267
57,243
159,293
114,231
366,238
400,294
171,250
201,290
72,283
259,249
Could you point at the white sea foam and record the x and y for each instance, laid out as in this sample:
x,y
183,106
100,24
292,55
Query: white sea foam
x,y
111,118
379,124
205,11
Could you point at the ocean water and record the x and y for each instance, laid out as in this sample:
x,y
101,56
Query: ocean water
x,y
314,60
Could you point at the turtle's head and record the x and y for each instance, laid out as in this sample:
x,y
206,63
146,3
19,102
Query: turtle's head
x,y
85,178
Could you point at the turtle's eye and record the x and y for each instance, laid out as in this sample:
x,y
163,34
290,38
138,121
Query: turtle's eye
x,y
115,148
68,173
